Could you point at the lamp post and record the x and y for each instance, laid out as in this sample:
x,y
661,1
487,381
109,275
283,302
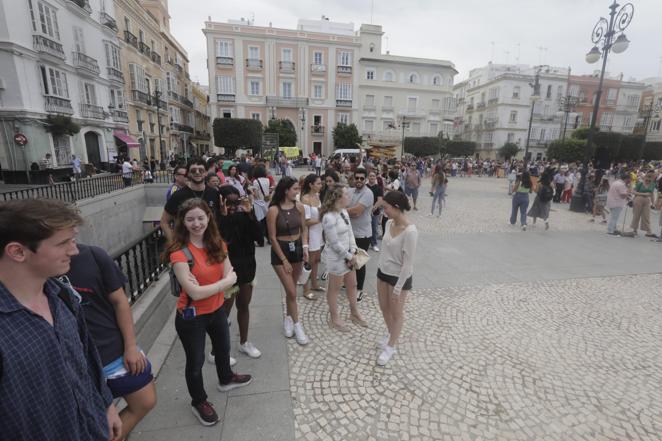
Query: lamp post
x,y
566,105
157,100
404,124
535,97
603,35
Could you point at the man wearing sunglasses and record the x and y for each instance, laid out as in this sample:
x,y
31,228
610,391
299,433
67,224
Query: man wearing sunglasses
x,y
195,188
360,213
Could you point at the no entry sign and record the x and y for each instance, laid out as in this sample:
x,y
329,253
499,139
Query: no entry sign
x,y
20,139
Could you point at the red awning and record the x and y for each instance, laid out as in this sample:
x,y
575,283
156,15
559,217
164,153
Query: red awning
x,y
126,139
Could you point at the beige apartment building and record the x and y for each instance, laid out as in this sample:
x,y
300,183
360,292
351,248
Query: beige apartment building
x,y
307,75
158,87
202,126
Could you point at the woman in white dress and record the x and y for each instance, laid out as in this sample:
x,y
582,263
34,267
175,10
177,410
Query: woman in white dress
x,y
235,179
310,198
339,256
394,276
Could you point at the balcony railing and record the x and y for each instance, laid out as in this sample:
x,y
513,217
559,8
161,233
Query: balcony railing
x,y
202,134
470,107
107,21
347,70
141,97
225,61
225,97
179,68
253,64
286,66
492,101
131,39
369,107
115,74
83,4
85,62
343,103
185,101
480,105
144,49
318,68
91,111
48,46
174,96
156,58
387,108
317,130
181,127
279,101
55,104
120,116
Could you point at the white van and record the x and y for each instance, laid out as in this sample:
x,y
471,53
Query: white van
x,y
344,153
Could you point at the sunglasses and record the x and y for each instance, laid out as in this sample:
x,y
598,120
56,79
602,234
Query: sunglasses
x,y
359,178
196,170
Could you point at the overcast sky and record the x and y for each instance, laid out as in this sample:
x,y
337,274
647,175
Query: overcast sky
x,y
467,32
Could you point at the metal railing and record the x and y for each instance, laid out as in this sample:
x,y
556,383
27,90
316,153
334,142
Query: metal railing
x,y
144,49
92,111
48,46
58,105
107,20
156,58
286,66
141,263
85,62
131,39
115,74
253,64
120,115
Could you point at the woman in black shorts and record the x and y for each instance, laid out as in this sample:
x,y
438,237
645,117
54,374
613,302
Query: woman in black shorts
x,y
289,248
240,230
394,276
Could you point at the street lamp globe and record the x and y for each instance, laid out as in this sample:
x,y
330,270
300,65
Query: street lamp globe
x,y
593,55
621,44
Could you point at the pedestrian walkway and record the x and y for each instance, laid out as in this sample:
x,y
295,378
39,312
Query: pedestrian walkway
x,y
509,335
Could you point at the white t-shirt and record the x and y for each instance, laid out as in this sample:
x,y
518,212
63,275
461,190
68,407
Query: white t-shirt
x,y
127,169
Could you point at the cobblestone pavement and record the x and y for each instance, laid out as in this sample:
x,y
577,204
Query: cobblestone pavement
x,y
569,359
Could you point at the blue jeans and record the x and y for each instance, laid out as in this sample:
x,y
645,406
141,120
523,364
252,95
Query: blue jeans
x,y
614,214
521,202
438,197
375,224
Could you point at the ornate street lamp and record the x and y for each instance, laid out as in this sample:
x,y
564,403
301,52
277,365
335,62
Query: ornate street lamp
x,y
567,104
602,37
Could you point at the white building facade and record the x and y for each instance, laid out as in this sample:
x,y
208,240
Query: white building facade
x,y
59,57
305,75
496,102
396,93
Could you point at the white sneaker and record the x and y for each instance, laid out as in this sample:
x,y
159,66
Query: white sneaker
x,y
301,336
386,355
288,326
382,342
250,350
212,360
375,248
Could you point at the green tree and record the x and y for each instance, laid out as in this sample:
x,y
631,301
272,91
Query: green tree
x,y
59,125
652,151
456,149
570,150
508,150
632,148
235,133
287,134
346,136
424,145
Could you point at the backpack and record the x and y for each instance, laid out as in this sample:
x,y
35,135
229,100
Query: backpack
x,y
175,287
546,194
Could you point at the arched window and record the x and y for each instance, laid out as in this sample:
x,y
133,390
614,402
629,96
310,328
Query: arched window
x,y
413,78
388,76
436,80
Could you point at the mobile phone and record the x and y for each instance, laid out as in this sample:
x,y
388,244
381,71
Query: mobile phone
x,y
188,313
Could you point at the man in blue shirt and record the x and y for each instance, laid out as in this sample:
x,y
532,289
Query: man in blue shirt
x,y
51,379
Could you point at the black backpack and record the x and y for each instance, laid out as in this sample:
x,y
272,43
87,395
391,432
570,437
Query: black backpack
x,y
175,287
546,194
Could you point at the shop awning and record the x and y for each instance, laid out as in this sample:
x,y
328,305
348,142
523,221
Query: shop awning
x,y
126,139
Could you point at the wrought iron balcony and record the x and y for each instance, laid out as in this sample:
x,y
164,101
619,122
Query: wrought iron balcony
x,y
480,105
286,66
54,104
107,21
492,101
470,107
141,97
156,58
48,46
225,97
131,39
185,101
317,130
120,116
83,4
181,127
254,64
82,61
174,96
344,70
144,49
115,74
343,103
225,61
91,111
202,134
318,68
179,68
279,101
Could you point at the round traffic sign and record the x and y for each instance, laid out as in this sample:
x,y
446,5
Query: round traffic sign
x,y
20,139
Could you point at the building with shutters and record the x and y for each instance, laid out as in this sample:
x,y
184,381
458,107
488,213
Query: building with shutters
x,y
60,58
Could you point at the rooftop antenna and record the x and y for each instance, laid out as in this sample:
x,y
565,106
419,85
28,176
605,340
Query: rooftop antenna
x,y
507,56
540,52
252,20
492,57
386,39
372,10
518,54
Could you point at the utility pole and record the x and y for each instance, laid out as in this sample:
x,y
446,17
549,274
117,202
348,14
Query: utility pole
x,y
404,125
157,99
534,98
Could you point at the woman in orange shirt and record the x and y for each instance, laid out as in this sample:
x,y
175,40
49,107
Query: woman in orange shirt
x,y
199,309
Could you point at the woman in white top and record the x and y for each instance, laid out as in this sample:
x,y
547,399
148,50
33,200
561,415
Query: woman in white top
x,y
394,276
261,198
235,179
339,255
310,198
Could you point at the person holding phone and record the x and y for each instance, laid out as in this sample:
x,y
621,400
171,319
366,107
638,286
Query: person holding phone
x,y
199,308
339,256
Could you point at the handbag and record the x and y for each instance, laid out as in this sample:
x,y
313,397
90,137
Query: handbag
x,y
362,257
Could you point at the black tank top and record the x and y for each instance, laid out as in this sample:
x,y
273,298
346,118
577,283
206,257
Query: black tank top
x,y
288,222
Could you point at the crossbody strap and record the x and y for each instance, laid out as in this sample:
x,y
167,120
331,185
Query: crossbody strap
x,y
191,262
